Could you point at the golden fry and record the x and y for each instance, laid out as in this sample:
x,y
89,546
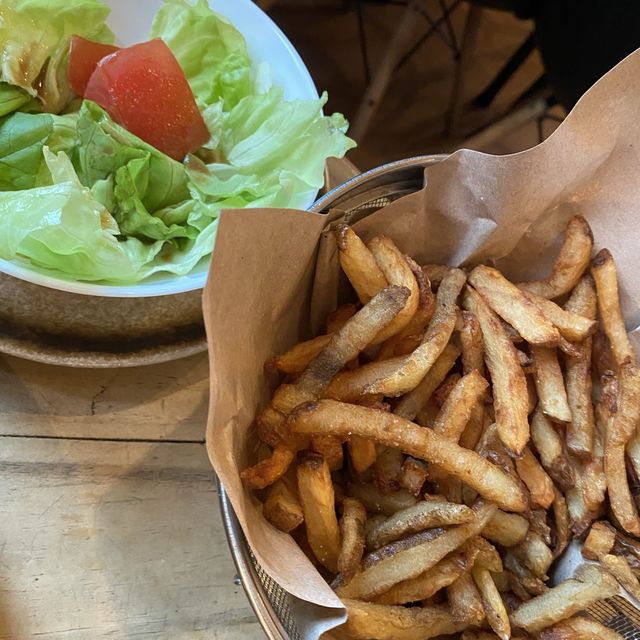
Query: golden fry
x,y
410,563
362,453
510,303
494,608
549,445
572,325
600,541
424,515
604,272
397,271
570,264
387,622
358,263
579,628
509,384
456,410
550,384
465,601
620,429
472,344
318,505
535,478
388,468
415,366
436,273
506,529
412,402
269,470
329,416
352,530
282,507
297,358
427,583
561,602
336,319
562,524
413,475
534,554
330,448
619,568
376,502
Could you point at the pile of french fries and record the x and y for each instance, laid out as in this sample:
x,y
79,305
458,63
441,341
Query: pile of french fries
x,y
436,449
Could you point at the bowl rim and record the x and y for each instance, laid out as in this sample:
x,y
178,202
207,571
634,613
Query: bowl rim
x,y
165,285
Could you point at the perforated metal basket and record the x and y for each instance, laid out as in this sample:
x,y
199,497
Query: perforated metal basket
x,y
358,197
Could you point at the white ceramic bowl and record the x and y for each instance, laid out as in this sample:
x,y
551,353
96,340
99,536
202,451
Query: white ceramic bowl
x,y
131,21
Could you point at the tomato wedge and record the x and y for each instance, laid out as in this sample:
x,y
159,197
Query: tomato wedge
x,y
144,89
84,56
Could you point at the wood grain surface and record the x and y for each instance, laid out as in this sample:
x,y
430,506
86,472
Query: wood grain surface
x,y
109,518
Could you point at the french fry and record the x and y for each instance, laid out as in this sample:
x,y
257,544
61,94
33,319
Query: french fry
x,y
436,273
550,384
536,479
282,507
410,405
531,583
509,383
388,467
318,505
578,380
406,340
269,470
336,319
298,357
561,602
390,550
572,325
570,264
427,583
411,562
376,502
550,449
330,448
579,628
620,430
600,541
352,530
329,416
562,524
413,475
358,263
424,515
494,608
534,554
352,338
362,453
604,272
465,601
506,529
619,568
397,271
270,426
484,553
415,366
472,344
387,622
510,303
628,548
456,410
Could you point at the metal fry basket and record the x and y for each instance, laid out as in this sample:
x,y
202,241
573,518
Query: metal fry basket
x,y
358,197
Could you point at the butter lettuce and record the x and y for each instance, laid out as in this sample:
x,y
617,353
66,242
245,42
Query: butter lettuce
x,y
83,198
34,44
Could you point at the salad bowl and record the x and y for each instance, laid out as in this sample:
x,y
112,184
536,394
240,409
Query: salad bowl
x,y
61,319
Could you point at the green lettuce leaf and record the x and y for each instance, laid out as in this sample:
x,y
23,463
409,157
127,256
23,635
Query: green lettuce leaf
x,y
211,51
34,37
22,138
62,229
104,147
13,99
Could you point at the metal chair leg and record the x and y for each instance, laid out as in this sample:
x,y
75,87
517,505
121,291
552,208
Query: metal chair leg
x,y
381,78
467,50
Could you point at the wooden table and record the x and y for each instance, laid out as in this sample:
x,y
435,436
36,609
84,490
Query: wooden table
x,y
110,526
